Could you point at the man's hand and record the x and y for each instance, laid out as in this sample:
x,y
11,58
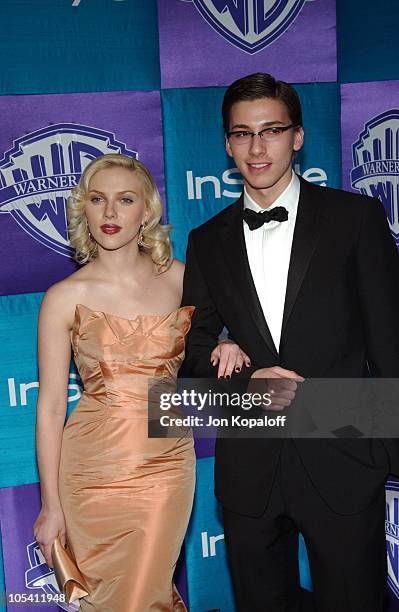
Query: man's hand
x,y
282,385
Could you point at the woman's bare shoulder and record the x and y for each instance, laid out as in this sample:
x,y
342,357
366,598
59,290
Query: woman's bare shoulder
x,y
170,283
175,271
61,298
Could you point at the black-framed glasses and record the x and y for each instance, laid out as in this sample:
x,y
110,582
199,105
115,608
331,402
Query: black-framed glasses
x,y
268,134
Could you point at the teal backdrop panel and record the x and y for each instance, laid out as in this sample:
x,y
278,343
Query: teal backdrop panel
x,y
319,160
60,46
19,388
200,177
208,577
367,40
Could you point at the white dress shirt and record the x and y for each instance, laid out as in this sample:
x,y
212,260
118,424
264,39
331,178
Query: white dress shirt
x,y
269,252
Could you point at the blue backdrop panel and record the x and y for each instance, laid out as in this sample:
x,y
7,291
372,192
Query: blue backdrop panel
x,y
201,179
78,45
18,388
367,40
209,583
319,161
200,176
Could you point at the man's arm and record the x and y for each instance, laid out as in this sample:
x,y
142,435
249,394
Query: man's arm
x,y
378,283
204,333
206,322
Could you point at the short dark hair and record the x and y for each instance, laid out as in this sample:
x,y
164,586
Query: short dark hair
x,y
257,86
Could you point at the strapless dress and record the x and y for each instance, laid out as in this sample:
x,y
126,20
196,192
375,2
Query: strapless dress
x,y
126,497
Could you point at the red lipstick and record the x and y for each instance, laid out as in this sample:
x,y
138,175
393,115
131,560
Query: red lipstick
x,y
110,228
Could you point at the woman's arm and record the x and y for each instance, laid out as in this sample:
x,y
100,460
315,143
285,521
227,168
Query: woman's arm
x,y
230,357
54,360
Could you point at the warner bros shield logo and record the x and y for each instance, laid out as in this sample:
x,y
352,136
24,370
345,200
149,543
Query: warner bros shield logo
x,y
250,25
39,171
39,578
376,164
392,534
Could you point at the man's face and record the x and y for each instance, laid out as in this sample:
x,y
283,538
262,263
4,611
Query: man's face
x,y
265,166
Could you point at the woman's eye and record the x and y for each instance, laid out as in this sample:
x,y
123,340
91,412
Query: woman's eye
x,y
127,201
95,199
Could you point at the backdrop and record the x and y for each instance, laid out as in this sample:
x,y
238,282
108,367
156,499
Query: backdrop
x,y
84,77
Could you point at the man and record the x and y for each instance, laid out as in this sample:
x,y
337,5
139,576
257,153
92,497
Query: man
x,y
308,288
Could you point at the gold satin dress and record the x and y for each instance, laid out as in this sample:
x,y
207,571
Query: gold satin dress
x,y
126,498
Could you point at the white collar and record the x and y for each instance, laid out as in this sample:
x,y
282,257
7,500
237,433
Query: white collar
x,y
289,198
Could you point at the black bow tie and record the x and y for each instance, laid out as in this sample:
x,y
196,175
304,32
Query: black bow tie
x,y
257,219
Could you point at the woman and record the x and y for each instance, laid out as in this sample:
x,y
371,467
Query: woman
x,y
117,499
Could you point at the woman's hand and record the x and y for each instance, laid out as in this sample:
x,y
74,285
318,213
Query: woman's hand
x,y
49,525
230,357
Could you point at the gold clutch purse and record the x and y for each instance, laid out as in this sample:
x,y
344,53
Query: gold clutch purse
x,y
69,578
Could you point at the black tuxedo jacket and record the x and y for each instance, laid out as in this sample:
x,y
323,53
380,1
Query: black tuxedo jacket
x,y
341,319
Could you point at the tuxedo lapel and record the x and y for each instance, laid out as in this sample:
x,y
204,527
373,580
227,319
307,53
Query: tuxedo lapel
x,y
233,244
306,235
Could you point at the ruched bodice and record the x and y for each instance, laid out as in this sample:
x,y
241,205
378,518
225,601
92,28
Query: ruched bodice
x,y
107,347
126,497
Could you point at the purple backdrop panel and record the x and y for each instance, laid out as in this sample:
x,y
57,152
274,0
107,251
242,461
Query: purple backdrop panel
x,y
392,542
28,580
204,447
370,144
214,42
46,141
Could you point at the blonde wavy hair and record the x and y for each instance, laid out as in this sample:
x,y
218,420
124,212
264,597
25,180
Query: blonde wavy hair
x,y
155,237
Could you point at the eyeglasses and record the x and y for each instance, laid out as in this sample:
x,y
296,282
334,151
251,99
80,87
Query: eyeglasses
x,y
269,134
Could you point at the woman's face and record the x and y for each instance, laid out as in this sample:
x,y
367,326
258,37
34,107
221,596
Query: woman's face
x,y
115,207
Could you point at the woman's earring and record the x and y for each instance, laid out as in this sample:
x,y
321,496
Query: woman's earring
x,y
140,239
88,230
